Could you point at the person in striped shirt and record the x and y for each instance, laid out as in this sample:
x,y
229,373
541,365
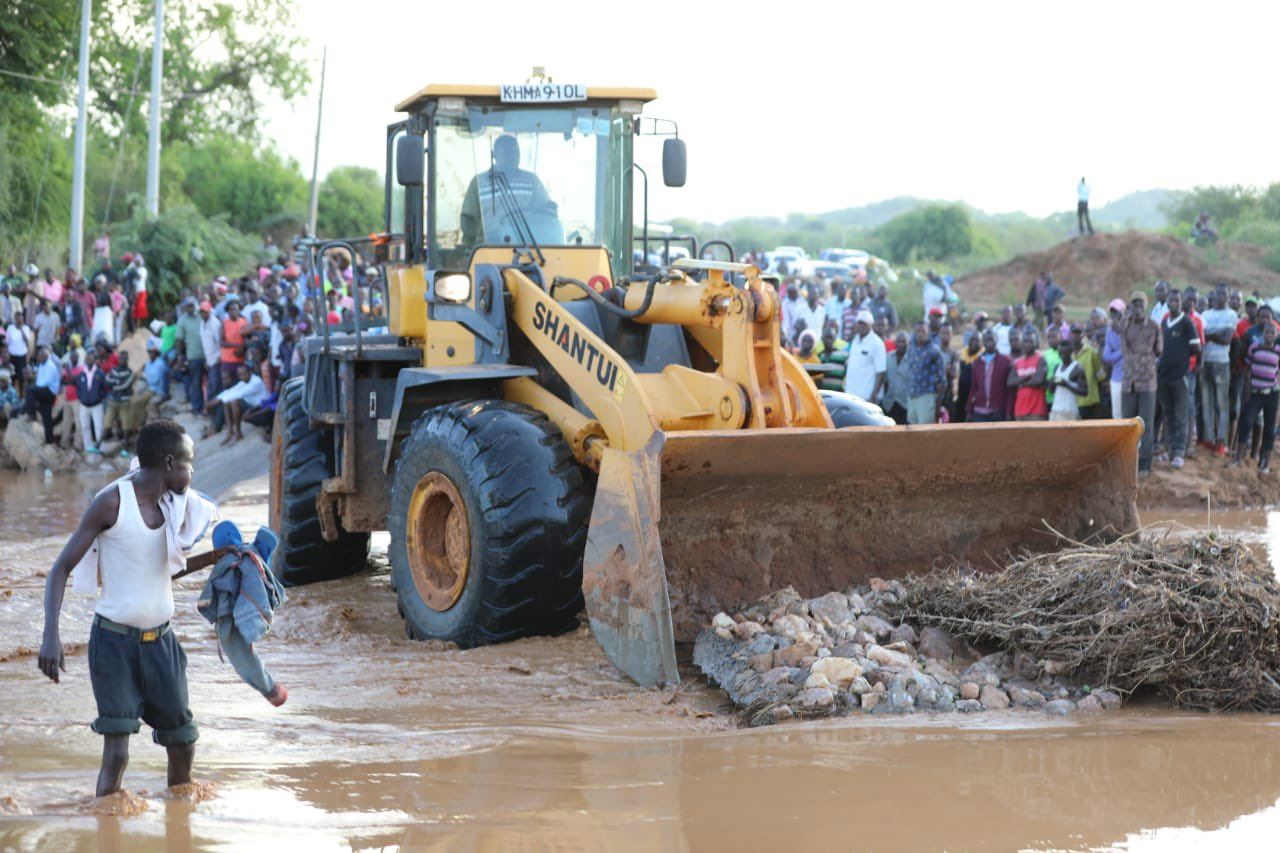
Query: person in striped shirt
x,y
1262,367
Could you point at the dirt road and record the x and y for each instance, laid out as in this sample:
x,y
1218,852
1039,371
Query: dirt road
x,y
541,743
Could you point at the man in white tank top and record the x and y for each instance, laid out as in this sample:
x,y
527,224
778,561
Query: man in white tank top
x,y
137,668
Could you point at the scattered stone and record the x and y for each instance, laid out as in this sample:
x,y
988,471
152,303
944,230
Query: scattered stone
x,y
857,606
888,657
904,634
840,671
790,626
748,630
1059,707
938,644
723,620
898,700
877,626
1109,698
1090,703
816,698
1025,698
870,700
776,676
1053,667
816,679
993,698
831,609
783,712
970,690
968,706
24,443
941,673
1026,666
859,686
793,654
762,663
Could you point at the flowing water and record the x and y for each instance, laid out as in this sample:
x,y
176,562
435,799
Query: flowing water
x,y
542,744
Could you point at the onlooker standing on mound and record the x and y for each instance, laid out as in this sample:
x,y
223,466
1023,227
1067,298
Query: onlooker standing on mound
x,y
1082,207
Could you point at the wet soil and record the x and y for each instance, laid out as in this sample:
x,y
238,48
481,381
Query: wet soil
x,y
542,743
1206,483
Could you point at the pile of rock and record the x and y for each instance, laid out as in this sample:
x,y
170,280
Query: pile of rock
x,y
786,656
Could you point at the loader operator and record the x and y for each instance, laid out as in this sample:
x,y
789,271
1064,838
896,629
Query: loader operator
x,y
484,208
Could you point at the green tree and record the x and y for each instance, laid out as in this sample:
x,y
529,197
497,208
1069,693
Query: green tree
x,y
221,60
350,202
940,232
251,186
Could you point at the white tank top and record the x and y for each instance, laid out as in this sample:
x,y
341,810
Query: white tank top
x,y
133,559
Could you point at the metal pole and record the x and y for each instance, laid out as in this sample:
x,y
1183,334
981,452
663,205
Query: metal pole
x,y
77,174
153,137
315,162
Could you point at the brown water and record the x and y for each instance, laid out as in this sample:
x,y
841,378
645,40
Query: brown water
x,y
542,744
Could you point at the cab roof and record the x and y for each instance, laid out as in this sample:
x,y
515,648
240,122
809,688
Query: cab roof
x,y
594,93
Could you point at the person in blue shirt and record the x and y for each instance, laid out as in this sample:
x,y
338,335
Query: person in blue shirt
x,y
926,378
43,392
10,402
156,372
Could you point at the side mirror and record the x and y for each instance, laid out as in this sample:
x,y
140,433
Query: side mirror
x,y
410,160
675,162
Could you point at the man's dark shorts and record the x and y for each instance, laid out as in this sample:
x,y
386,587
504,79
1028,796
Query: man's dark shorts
x,y
135,680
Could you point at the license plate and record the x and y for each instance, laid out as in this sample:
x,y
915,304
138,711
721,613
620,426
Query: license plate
x,y
543,93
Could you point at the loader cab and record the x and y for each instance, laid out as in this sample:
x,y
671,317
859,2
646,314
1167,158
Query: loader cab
x,y
508,166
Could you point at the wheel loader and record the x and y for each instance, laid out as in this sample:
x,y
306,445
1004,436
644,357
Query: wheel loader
x,y
542,427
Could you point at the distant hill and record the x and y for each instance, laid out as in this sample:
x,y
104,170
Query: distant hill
x,y
1142,210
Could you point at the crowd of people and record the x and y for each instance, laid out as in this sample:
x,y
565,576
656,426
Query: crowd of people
x,y
1200,370
222,350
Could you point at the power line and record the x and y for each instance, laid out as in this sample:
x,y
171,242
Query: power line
x,y
130,91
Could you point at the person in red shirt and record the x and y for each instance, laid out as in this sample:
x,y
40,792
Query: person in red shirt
x,y
233,348
1028,377
71,368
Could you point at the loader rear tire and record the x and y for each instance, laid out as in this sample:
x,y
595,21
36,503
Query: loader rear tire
x,y
488,522
300,463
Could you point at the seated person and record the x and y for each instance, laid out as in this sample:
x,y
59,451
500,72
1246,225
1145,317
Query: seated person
x,y
1203,229
230,405
484,215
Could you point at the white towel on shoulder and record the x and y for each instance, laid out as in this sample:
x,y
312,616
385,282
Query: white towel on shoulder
x,y
188,517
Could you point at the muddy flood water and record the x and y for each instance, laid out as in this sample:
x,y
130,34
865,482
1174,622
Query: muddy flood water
x,y
541,744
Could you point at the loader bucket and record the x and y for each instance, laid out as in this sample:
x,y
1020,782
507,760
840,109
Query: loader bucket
x,y
699,522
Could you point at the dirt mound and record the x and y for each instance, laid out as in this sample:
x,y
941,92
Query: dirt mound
x,y
1094,270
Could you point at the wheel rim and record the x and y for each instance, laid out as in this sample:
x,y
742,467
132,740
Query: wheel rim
x,y
438,541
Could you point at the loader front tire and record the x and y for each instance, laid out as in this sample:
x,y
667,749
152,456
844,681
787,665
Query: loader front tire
x,y
488,524
300,463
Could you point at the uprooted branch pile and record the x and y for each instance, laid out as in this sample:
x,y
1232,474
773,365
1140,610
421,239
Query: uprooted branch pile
x,y
1195,620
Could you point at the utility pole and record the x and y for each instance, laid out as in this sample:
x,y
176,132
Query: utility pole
x,y
315,162
153,137
77,174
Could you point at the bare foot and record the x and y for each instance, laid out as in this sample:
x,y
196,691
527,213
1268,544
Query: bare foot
x,y
227,439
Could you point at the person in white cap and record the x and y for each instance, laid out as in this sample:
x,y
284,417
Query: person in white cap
x,y
864,372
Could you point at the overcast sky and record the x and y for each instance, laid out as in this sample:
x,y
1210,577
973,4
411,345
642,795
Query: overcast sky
x,y
819,106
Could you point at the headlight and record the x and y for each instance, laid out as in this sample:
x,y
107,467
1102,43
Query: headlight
x,y
453,287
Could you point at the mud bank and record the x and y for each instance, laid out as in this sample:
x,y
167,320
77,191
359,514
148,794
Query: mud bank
x,y
1207,481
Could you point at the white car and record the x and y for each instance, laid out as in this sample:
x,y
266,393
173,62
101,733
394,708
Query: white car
x,y
852,257
808,268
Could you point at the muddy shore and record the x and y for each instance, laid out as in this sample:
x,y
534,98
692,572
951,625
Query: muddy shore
x,y
543,743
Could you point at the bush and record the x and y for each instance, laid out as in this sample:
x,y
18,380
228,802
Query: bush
x,y
182,247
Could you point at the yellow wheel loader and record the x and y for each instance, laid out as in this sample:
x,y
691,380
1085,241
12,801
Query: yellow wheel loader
x,y
541,423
